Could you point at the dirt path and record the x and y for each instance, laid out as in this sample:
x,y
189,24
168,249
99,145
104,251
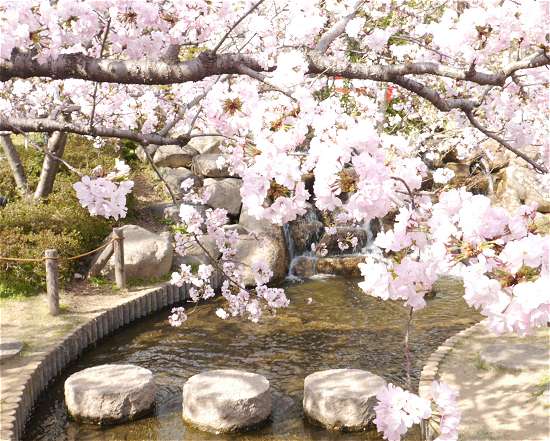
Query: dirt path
x,y
498,404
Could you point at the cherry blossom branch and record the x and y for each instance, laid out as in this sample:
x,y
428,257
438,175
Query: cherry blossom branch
x,y
245,70
96,86
336,30
23,125
215,262
538,167
237,23
44,149
411,195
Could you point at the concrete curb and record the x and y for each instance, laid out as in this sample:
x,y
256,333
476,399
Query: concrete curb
x,y
430,371
20,400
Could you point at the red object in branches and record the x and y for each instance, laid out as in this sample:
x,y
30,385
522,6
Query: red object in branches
x,y
389,93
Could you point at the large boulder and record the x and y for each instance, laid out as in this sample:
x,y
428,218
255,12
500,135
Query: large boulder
x,y
175,176
140,151
110,393
207,165
226,400
174,156
253,225
269,248
519,185
165,210
224,193
206,144
146,255
342,399
193,253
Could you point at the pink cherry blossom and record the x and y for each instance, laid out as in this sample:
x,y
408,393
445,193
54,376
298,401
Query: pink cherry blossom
x,y
397,410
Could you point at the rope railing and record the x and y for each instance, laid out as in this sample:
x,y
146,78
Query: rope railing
x,y
41,259
113,247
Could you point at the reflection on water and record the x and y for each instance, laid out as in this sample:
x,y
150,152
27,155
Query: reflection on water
x,y
340,328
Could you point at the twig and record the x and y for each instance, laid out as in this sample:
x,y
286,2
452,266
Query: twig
x,y
252,9
413,204
103,43
215,262
538,167
245,70
157,172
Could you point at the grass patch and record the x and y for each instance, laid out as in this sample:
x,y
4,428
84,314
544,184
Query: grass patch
x,y
137,282
99,281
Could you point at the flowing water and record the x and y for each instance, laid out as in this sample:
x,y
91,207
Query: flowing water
x,y
330,324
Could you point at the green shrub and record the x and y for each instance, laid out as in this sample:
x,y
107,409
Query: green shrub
x,y
28,228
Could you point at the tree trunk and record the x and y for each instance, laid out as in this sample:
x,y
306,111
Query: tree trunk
x,y
14,161
50,166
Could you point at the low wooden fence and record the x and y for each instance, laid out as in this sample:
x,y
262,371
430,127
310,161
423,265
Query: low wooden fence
x,y
114,247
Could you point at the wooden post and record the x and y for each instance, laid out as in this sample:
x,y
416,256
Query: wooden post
x,y
120,273
52,281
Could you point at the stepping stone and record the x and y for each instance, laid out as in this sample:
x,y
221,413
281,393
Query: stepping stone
x,y
520,357
10,348
226,400
110,393
341,399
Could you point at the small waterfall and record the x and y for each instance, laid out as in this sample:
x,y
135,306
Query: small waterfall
x,y
289,241
299,235
305,263
368,226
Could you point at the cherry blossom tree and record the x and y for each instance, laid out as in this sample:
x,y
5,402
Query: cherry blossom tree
x,y
311,87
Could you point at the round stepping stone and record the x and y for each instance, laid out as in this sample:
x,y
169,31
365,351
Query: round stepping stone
x,y
226,400
341,399
10,348
110,393
519,357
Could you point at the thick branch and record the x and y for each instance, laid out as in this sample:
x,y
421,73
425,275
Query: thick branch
x,y
150,72
330,66
208,64
441,103
50,126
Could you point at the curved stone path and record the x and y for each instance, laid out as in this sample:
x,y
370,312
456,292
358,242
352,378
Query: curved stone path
x,y
503,383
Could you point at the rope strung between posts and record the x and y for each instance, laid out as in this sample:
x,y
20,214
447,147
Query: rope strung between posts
x,y
41,259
